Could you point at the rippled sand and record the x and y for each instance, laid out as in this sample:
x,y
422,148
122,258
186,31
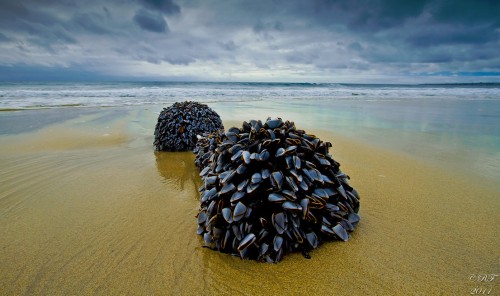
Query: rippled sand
x,y
87,207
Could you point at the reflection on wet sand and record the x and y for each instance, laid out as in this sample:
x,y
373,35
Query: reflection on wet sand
x,y
177,168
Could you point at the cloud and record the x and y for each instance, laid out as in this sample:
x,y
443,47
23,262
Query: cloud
x,y
150,21
92,22
322,40
166,6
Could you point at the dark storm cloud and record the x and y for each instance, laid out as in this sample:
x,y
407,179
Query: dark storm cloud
x,y
166,6
377,15
263,27
15,14
12,9
92,22
452,35
35,26
3,38
150,21
363,15
179,59
406,33
415,31
466,12
257,37
229,45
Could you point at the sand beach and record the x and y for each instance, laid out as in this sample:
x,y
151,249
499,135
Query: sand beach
x,y
88,207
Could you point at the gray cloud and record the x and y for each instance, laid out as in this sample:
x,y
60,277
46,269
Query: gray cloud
x,y
269,26
254,40
92,22
356,46
166,6
150,21
452,34
364,15
229,45
3,38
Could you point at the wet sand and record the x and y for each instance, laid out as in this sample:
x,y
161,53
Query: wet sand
x,y
87,207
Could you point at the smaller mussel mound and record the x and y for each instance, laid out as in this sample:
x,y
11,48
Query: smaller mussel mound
x,y
179,124
269,189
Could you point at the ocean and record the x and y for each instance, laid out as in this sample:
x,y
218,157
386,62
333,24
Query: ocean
x,y
28,95
456,124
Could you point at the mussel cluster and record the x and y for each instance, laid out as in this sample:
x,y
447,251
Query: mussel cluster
x,y
179,124
270,188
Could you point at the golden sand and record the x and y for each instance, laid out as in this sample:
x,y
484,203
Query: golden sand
x,y
83,215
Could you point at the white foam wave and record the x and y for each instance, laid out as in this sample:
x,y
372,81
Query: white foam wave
x,y
20,96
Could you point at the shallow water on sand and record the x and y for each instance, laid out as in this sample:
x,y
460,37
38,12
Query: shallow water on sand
x,y
87,207
463,136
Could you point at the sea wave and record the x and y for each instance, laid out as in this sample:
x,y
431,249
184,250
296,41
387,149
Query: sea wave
x,y
112,94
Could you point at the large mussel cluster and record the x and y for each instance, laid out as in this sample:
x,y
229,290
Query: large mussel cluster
x,y
269,189
179,124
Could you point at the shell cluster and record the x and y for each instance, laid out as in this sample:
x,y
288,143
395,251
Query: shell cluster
x,y
270,188
179,124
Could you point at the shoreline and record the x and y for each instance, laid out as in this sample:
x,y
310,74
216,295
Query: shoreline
x,y
468,153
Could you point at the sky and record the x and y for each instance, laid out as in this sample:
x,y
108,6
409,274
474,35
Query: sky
x,y
356,41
